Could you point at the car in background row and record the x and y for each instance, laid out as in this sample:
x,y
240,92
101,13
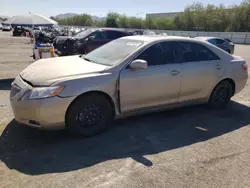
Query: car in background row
x,y
127,76
86,41
1,26
18,31
224,44
6,28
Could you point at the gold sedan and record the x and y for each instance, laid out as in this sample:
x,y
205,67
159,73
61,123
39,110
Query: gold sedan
x,y
127,76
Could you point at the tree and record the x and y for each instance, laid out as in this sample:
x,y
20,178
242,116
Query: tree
x,y
195,17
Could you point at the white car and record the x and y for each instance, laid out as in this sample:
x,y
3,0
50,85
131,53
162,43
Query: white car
x,y
6,27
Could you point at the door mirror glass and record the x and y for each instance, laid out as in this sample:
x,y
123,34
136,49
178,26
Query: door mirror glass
x,y
90,38
139,64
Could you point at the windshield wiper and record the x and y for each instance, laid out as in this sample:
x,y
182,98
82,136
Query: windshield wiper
x,y
87,59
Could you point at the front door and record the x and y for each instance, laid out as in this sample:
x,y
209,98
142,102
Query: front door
x,y
157,85
201,70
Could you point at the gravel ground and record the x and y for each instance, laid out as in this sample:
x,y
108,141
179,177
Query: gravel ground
x,y
188,147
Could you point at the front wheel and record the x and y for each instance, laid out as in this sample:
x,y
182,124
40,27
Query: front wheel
x,y
221,95
89,115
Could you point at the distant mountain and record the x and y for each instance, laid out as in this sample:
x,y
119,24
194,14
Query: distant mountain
x,y
68,15
6,17
3,18
96,18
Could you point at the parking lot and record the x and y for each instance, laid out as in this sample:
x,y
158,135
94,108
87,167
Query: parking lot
x,y
188,147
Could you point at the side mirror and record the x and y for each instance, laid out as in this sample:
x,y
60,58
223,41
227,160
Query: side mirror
x,y
139,64
89,38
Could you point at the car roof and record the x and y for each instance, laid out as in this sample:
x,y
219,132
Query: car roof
x,y
107,29
153,38
207,38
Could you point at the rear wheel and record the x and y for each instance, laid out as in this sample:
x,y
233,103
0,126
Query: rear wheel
x,y
221,95
89,115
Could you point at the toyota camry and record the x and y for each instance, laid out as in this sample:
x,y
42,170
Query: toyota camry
x,y
128,76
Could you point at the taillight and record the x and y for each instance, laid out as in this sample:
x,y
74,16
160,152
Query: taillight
x,y
245,66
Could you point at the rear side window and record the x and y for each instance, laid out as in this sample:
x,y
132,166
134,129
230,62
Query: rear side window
x,y
219,41
212,41
98,35
111,35
193,52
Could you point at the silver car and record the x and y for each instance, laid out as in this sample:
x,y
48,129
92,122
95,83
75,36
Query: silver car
x,y
127,76
224,44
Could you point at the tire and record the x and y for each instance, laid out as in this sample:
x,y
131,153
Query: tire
x,y
89,115
221,95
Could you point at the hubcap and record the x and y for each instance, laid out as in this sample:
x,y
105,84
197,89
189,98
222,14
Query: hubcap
x,y
89,116
221,95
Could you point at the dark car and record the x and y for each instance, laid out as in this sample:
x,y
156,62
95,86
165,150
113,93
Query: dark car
x,y
224,44
18,31
86,41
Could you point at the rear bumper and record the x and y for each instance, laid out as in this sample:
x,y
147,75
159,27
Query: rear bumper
x,y
241,83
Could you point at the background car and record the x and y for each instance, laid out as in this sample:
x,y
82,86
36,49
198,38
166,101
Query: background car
x,y
126,76
224,44
18,31
6,28
86,41
1,26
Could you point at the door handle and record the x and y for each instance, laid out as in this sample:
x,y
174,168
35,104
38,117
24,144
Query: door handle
x,y
174,72
218,66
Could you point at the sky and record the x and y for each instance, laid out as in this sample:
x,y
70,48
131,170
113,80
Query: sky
x,y
99,7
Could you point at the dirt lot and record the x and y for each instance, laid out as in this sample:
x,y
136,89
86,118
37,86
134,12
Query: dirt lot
x,y
189,147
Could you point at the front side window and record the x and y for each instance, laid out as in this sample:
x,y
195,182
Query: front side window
x,y
98,35
158,54
193,52
153,55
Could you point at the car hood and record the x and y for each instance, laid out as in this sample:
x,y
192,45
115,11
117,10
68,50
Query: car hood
x,y
47,71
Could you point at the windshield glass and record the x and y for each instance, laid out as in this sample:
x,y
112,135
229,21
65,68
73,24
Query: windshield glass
x,y
84,33
113,52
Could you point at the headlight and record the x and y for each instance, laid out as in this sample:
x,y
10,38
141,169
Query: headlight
x,y
42,92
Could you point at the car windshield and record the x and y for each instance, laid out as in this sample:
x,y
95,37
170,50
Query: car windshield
x,y
83,34
113,52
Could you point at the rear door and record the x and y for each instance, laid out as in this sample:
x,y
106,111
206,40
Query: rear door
x,y
201,70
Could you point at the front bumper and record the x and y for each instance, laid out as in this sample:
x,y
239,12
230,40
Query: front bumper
x,y
46,113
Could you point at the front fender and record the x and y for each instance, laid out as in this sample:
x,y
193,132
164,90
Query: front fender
x,y
75,86
102,82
